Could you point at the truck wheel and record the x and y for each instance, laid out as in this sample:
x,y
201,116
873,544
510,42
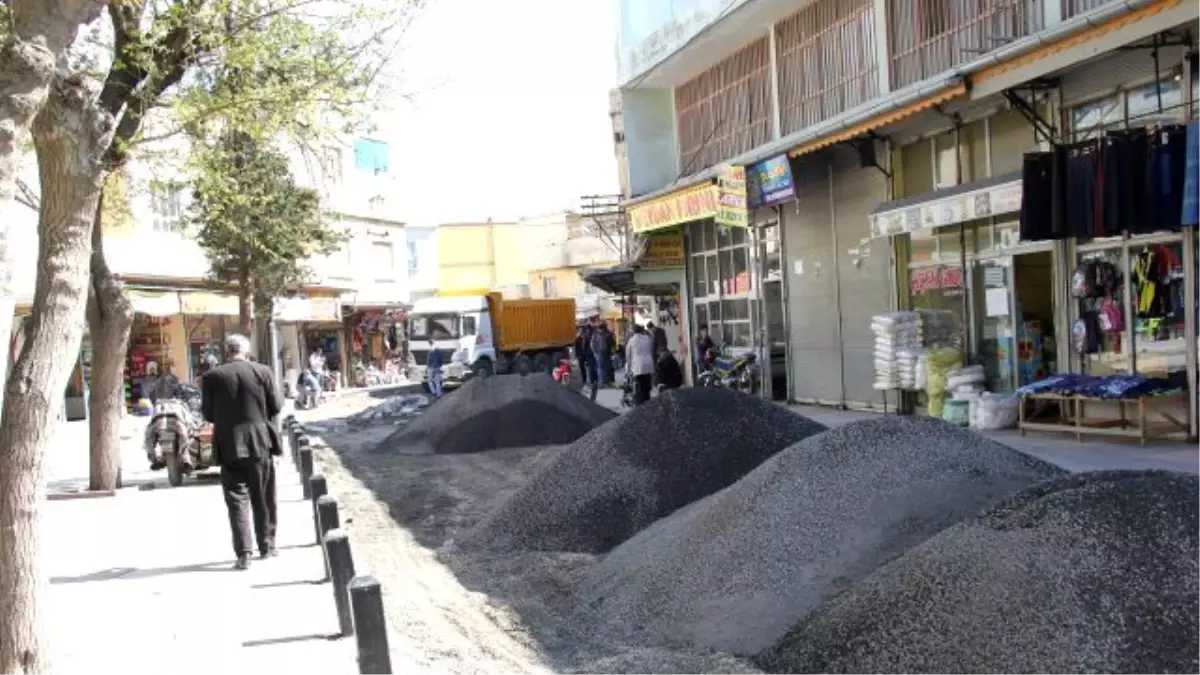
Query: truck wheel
x,y
541,363
522,365
482,368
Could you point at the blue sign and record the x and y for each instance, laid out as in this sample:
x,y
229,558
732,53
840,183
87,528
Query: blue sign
x,y
770,182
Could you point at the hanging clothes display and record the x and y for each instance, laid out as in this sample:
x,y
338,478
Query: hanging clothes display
x,y
1166,160
1037,197
1191,181
1123,182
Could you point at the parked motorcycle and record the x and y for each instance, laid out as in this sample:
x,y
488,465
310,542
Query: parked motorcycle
x,y
732,372
177,438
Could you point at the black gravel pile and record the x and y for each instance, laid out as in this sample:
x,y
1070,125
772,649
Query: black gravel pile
x,y
735,571
1085,574
645,464
507,411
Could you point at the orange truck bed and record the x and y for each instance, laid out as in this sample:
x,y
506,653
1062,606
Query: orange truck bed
x,y
528,325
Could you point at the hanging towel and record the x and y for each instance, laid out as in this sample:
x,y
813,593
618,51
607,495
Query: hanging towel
x,y
1191,181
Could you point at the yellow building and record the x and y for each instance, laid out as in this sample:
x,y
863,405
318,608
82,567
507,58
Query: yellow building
x,y
466,257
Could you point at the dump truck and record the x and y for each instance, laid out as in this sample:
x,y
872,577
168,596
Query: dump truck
x,y
485,334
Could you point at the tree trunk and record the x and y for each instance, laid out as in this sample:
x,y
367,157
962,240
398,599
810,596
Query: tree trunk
x,y
40,31
110,317
68,135
245,305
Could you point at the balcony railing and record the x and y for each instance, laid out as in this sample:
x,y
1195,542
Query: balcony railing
x,y
826,61
726,110
928,37
1072,8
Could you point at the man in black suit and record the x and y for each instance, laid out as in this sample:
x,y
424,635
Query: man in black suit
x,y
240,398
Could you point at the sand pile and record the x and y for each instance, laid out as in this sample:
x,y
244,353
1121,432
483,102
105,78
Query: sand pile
x,y
735,571
505,411
645,464
1088,573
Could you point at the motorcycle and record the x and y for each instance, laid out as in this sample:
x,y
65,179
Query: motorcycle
x,y
731,372
177,438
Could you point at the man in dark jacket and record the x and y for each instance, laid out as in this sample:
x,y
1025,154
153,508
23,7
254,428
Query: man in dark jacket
x,y
239,397
583,351
667,371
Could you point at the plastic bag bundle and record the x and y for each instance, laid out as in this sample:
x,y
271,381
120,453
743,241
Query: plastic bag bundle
x,y
908,364
939,363
896,335
996,411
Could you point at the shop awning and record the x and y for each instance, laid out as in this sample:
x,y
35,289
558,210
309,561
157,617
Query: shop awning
x,y
154,303
881,121
311,309
997,196
627,279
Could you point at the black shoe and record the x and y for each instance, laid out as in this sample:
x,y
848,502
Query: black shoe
x,y
268,553
243,562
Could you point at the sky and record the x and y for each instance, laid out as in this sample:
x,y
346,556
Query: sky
x,y
509,115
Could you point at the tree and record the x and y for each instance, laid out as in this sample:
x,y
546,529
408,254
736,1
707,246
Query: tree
x,y
256,226
323,54
312,60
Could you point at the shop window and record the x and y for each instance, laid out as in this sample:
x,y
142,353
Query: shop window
x,y
939,288
1098,336
922,245
737,235
735,310
166,204
1143,105
1007,232
714,279
1091,119
708,236
549,287
699,277
1156,288
949,243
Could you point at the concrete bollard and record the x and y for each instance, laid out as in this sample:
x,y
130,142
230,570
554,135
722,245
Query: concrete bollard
x,y
306,469
301,441
289,439
317,488
341,571
327,519
370,626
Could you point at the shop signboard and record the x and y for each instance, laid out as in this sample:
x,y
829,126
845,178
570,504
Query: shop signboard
x,y
731,189
325,308
770,182
664,251
155,303
995,200
674,209
200,303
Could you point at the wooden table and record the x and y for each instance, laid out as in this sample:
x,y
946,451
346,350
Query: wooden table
x,y
1074,416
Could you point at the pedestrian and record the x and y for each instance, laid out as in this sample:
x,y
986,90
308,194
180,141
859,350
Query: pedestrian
x,y
667,371
241,401
583,338
704,344
433,370
600,356
639,360
659,337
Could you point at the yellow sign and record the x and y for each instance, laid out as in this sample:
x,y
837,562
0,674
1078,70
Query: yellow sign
x,y
664,251
731,189
692,204
198,303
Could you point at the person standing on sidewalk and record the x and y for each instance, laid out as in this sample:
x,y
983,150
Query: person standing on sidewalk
x,y
639,359
433,370
239,397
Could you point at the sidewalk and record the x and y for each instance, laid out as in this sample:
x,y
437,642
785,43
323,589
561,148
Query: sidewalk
x,y
132,590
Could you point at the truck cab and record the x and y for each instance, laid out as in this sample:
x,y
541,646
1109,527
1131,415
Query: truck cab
x,y
460,327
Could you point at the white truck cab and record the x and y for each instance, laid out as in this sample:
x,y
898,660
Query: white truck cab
x,y
460,327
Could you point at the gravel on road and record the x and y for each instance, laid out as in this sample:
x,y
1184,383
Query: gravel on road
x,y
637,468
1088,573
506,411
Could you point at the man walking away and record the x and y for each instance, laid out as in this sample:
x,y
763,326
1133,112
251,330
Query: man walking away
x,y
583,347
239,397
639,355
433,370
599,359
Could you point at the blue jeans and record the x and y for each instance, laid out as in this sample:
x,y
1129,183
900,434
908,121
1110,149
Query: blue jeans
x,y
435,383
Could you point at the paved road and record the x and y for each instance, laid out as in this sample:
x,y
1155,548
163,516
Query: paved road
x,y
141,583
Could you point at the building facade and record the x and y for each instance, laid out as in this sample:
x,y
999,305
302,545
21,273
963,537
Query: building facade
x,y
828,162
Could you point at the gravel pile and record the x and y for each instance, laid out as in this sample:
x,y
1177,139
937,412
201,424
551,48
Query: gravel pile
x,y
735,571
645,464
659,662
504,411
1088,573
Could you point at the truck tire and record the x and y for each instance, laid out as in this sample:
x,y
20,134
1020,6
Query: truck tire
x,y
522,365
483,368
541,363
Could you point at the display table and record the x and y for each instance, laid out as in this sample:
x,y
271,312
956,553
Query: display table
x,y
1078,415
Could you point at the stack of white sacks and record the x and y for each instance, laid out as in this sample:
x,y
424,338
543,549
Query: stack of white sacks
x,y
897,349
967,384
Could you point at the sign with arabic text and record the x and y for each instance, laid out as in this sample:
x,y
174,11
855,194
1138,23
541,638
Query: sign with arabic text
x,y
674,209
995,200
664,251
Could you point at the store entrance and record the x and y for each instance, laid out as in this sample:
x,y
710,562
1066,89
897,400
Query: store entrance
x,y
1014,318
773,322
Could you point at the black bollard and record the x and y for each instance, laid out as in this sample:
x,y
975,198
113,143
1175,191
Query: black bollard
x,y
306,469
301,441
327,519
341,571
317,488
370,626
289,424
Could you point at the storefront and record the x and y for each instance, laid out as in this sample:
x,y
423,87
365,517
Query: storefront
x,y
158,337
1031,238
377,344
308,322
207,318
